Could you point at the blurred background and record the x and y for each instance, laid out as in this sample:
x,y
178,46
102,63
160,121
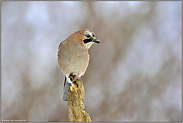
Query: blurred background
x,y
134,73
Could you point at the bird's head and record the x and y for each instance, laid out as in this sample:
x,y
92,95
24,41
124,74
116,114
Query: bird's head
x,y
87,37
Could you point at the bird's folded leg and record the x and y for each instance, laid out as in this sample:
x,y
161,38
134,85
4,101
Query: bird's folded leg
x,y
73,77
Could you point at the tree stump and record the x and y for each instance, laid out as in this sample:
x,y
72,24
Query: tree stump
x,y
75,101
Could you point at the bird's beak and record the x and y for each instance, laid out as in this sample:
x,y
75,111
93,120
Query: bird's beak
x,y
96,41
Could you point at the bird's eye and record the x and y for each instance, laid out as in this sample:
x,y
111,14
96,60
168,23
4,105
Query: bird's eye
x,y
87,35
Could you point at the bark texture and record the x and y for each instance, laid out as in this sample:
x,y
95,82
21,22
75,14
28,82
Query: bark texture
x,y
75,103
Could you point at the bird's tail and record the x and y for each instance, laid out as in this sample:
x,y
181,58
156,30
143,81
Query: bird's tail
x,y
65,93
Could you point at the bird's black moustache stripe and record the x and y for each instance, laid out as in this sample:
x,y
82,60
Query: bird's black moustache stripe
x,y
87,40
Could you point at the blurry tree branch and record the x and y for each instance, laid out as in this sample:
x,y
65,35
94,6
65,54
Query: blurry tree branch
x,y
75,103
